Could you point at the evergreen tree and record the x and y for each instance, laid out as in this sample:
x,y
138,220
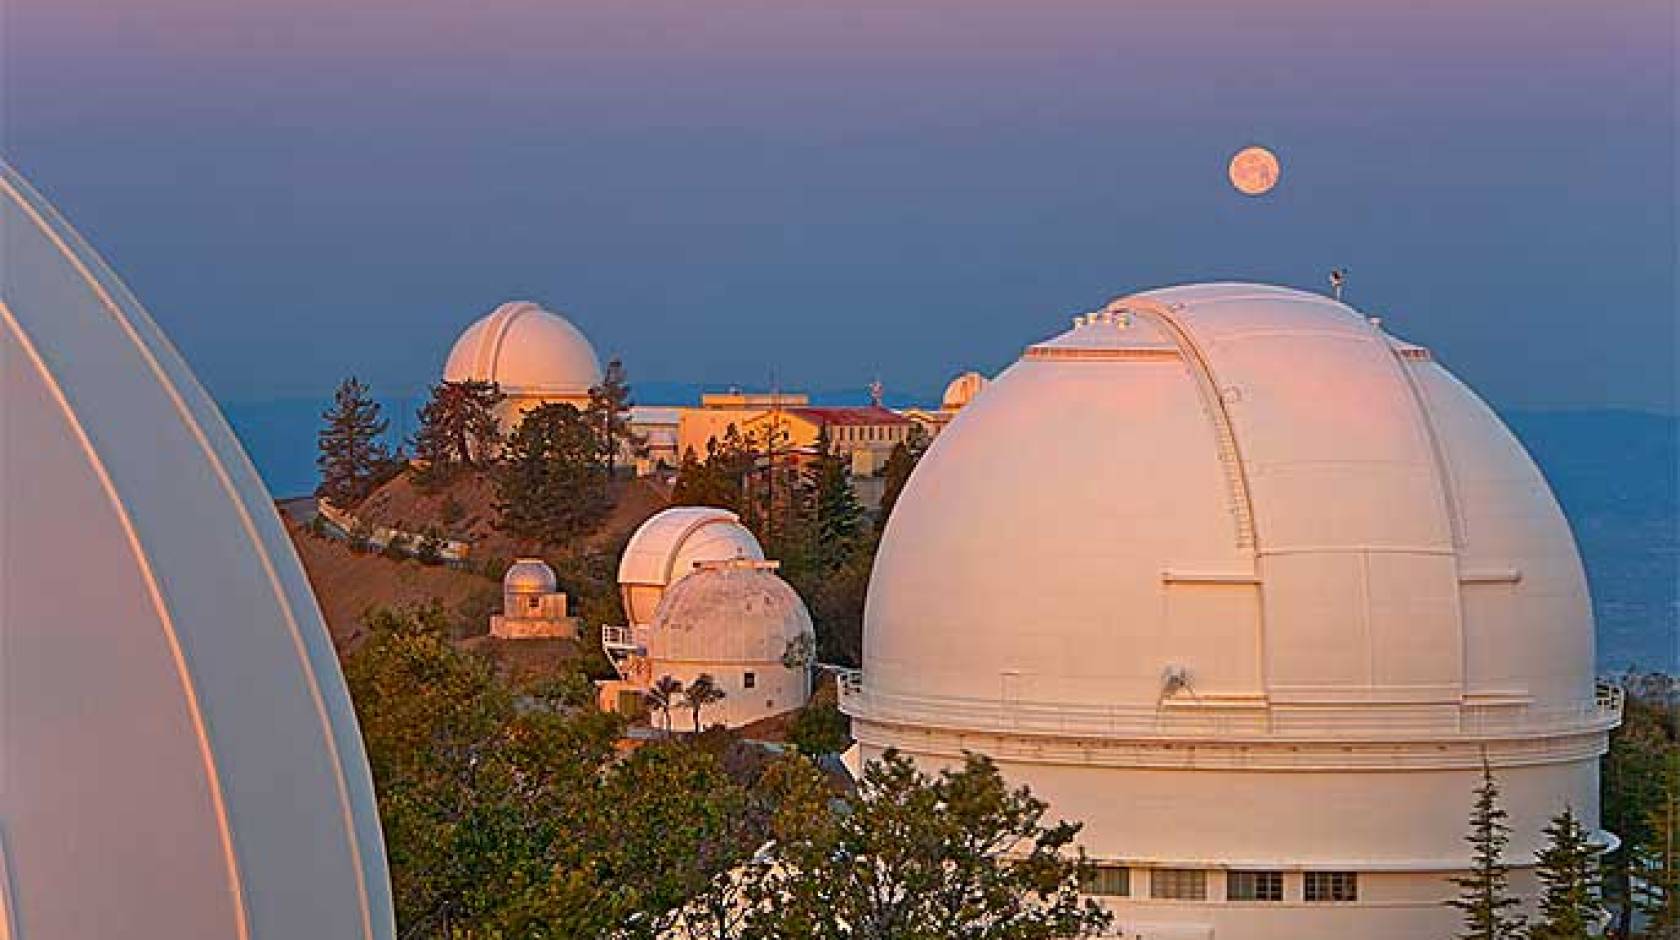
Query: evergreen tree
x,y
458,428
1569,880
1632,775
1659,889
959,855
836,515
896,472
549,487
351,456
1484,894
609,416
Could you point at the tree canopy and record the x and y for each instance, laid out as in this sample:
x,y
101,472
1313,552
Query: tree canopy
x,y
550,487
351,454
458,429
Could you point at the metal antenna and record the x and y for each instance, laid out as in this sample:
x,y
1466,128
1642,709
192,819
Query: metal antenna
x,y
1338,280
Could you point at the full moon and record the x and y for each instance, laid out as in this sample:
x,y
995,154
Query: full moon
x,y
1254,171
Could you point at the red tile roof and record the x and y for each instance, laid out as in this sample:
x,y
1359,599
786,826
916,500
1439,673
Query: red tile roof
x,y
866,414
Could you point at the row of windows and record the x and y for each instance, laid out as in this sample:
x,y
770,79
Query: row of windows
x,y
1190,884
866,433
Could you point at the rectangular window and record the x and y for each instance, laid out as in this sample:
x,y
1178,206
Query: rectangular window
x,y
748,681
1332,887
1254,886
1111,880
1178,884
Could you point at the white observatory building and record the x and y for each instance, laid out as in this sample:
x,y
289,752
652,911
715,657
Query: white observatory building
x,y
1257,629
702,600
536,356
179,757
533,606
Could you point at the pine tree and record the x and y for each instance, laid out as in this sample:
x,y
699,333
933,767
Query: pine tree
x,y
1484,894
836,515
896,472
549,487
1659,890
351,456
458,428
609,416
1569,880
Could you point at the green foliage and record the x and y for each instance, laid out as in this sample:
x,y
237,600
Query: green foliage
x,y
506,810
396,548
1632,775
549,488
1485,897
896,473
1569,880
350,453
720,478
458,429
821,728
836,516
1658,896
960,855
609,416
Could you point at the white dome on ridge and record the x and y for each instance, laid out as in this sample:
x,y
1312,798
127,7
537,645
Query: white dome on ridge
x,y
528,351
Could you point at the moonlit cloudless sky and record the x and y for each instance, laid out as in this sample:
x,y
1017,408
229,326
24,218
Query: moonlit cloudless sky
x,y
839,190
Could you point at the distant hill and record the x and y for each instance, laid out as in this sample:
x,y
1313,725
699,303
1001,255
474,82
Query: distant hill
x,y
1617,474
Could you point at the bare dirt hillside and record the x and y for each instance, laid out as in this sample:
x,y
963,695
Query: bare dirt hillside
x,y
347,584
466,510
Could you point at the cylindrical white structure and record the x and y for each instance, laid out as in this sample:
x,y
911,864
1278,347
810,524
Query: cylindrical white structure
x,y
1249,587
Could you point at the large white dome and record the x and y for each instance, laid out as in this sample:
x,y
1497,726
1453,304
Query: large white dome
x,y
1220,571
180,758
1071,532
529,351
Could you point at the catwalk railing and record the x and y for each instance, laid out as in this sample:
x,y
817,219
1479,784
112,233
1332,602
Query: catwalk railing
x,y
1176,718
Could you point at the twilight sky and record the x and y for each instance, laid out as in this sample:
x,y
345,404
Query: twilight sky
x,y
834,190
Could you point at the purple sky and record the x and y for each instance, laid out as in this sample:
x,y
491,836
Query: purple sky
x,y
839,190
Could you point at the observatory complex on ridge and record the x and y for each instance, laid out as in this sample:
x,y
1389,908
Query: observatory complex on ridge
x,y
1258,631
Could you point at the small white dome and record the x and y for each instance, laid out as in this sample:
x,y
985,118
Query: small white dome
x,y
530,576
528,351
962,390
668,546
728,612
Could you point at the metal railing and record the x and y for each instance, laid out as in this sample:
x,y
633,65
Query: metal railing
x,y
1226,721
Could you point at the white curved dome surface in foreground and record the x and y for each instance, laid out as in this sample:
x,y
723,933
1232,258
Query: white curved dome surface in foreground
x,y
180,758
530,352
667,546
1245,584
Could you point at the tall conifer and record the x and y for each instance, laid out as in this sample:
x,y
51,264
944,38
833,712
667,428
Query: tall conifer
x,y
351,455
1569,881
1484,894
